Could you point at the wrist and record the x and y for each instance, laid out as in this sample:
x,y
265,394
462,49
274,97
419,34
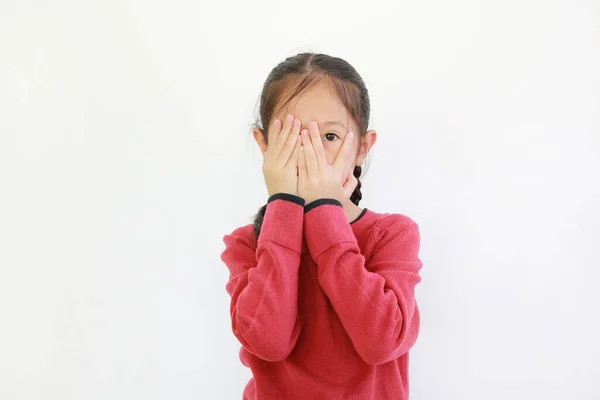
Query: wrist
x,y
323,196
309,205
276,191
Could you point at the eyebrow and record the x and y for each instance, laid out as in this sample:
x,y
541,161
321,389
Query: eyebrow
x,y
334,123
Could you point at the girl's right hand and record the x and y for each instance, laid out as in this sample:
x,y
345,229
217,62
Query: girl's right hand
x,y
281,158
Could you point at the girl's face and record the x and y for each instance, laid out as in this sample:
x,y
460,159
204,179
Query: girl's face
x,y
320,104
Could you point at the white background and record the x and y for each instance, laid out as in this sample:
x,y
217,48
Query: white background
x,y
126,154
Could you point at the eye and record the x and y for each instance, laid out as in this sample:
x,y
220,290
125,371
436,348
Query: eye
x,y
331,137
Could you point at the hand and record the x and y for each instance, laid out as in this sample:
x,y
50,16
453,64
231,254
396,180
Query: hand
x,y
316,178
281,158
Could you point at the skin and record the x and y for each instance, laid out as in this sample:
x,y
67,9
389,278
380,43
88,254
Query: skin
x,y
320,113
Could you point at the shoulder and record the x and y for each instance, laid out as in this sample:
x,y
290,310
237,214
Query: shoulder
x,y
243,235
387,223
395,231
240,246
245,232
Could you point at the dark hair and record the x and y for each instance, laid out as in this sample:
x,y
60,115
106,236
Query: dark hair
x,y
296,74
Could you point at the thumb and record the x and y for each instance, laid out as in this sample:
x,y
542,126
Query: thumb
x,y
350,185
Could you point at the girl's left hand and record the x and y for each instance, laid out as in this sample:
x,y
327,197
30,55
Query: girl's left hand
x,y
316,178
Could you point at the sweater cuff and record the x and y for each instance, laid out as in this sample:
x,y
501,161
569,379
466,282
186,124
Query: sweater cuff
x,y
320,202
325,225
282,223
288,197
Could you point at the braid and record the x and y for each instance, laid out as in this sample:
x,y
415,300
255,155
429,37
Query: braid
x,y
357,195
258,220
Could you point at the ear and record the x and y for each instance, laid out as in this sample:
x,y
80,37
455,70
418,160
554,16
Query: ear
x,y
260,140
366,143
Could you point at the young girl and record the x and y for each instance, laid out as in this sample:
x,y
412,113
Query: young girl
x,y
322,291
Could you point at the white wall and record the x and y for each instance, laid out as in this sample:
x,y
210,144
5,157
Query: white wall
x,y
126,155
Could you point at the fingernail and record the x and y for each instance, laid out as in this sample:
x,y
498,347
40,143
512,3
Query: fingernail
x,y
304,132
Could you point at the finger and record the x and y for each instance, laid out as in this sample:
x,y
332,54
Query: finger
x,y
285,131
317,142
312,166
302,171
345,154
273,131
290,143
349,171
350,185
294,157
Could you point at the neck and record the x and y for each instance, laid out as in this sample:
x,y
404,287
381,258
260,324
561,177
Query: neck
x,y
351,210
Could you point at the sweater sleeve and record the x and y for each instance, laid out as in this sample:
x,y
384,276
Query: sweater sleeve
x,y
375,298
263,282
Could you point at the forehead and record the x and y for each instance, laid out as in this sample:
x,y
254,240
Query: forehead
x,y
318,103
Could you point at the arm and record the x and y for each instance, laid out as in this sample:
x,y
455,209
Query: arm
x,y
375,300
263,282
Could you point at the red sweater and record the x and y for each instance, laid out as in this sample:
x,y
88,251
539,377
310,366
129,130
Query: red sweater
x,y
323,308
